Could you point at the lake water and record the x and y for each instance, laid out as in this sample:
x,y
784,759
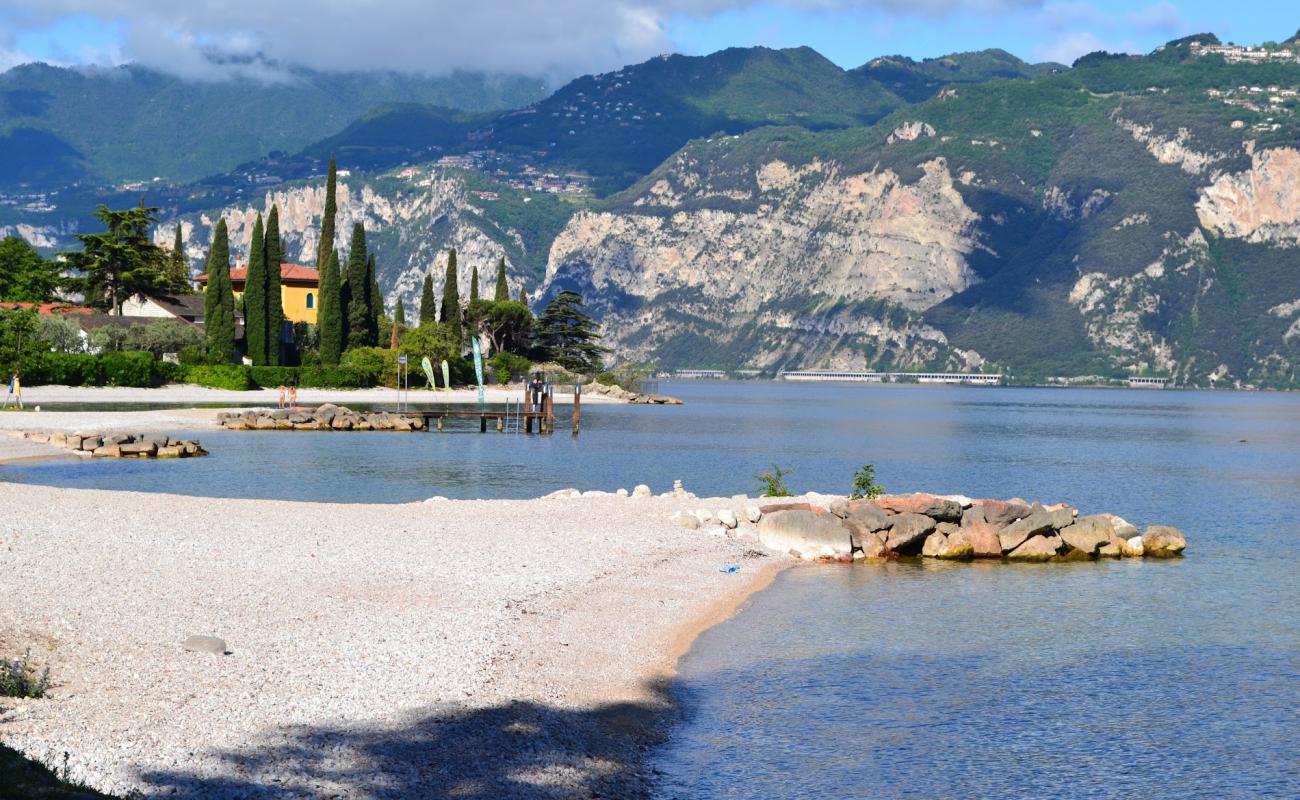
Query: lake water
x,y
1141,679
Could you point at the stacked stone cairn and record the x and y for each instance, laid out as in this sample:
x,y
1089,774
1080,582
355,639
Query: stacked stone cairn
x,y
956,528
328,417
123,445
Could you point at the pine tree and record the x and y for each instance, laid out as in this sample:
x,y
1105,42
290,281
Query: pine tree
x,y
178,272
376,300
451,300
218,301
255,297
473,284
325,245
274,296
428,309
503,291
358,291
329,315
568,336
399,316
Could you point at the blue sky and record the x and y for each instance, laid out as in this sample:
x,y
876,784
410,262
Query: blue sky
x,y
567,37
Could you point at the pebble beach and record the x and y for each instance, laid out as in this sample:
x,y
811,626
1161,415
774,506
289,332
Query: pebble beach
x,y
444,648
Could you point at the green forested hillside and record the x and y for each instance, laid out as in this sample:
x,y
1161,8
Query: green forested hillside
x,y
131,123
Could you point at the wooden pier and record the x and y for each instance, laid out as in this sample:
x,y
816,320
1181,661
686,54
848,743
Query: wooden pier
x,y
528,415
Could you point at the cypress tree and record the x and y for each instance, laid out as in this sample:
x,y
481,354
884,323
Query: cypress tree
x,y
329,316
428,309
473,284
503,291
358,290
451,300
274,297
255,297
178,273
399,316
523,296
218,302
376,300
325,245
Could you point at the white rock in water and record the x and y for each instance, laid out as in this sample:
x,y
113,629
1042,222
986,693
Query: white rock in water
x,y
728,518
621,493
641,490
753,514
1133,547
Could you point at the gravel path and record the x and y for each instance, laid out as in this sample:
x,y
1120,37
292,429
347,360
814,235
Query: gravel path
x,y
451,648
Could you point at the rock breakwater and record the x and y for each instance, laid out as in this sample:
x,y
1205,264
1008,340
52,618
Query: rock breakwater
x,y
122,445
955,528
328,417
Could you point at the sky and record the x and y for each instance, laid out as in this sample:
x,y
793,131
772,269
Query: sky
x,y
218,39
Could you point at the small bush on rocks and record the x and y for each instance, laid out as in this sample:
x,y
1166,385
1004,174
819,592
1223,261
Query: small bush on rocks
x,y
864,484
18,678
772,482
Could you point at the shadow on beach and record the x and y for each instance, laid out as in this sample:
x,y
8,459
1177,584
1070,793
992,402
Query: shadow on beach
x,y
520,750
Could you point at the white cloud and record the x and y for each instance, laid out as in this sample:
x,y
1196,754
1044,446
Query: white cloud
x,y
1065,48
197,38
1162,17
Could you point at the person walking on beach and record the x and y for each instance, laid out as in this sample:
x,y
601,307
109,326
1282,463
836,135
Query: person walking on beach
x,y
282,393
15,395
293,391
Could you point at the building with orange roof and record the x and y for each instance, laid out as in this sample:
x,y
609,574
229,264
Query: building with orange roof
x,y
299,290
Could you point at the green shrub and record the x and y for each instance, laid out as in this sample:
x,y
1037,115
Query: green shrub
x,y
127,369
18,678
606,379
332,378
503,367
864,484
772,482
376,365
62,369
272,377
191,354
221,376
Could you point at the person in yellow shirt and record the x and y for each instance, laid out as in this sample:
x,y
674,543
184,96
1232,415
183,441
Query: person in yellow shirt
x,y
15,395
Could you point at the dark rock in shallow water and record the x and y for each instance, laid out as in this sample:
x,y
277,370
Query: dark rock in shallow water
x,y
983,539
1088,533
1036,548
1001,513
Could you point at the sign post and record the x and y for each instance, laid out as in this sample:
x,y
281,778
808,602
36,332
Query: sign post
x,y
402,372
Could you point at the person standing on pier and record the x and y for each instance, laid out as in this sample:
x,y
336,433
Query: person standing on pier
x,y
538,389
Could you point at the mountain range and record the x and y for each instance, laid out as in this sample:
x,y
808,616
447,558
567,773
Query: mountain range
x,y
765,208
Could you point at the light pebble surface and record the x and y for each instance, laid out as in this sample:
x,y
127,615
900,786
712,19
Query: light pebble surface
x,y
449,648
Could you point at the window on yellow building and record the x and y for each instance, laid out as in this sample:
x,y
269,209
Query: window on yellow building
x,y
311,300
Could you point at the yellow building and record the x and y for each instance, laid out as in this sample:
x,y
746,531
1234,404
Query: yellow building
x,y
299,290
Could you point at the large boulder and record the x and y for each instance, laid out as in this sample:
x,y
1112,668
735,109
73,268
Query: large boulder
x,y
871,544
983,539
1016,533
1162,541
805,534
1133,547
1036,548
909,531
1088,534
1001,513
866,518
933,506
935,544
1123,528
959,546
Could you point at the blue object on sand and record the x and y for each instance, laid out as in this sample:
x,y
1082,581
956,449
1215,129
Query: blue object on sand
x,y
729,568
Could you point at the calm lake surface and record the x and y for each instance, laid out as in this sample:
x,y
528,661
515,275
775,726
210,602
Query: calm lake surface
x,y
1166,679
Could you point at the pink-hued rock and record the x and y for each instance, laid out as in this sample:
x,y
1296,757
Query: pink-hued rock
x,y
933,506
983,539
958,546
872,546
